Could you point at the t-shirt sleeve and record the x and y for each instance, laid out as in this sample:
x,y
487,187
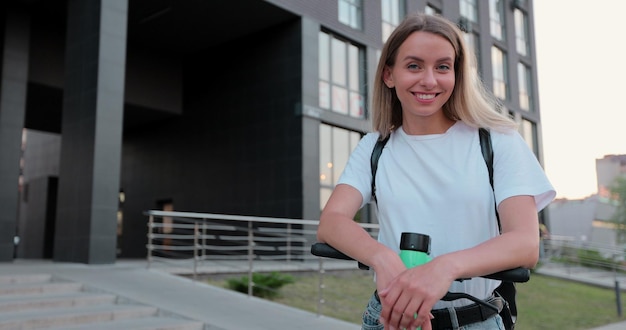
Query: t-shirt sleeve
x,y
517,171
357,172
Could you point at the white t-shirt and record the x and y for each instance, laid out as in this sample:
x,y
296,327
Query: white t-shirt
x,y
439,185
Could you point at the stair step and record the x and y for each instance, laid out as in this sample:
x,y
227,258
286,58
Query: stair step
x,y
146,323
25,278
39,288
20,303
61,317
32,301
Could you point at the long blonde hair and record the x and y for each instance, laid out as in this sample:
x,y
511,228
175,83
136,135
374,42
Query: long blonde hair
x,y
469,102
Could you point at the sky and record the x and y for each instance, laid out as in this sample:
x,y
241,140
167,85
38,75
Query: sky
x,y
581,69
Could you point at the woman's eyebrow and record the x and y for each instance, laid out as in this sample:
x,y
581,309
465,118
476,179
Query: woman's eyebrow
x,y
418,59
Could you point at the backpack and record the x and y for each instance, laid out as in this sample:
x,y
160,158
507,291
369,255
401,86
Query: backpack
x,y
506,289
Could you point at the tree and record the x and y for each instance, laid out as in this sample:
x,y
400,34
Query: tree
x,y
618,195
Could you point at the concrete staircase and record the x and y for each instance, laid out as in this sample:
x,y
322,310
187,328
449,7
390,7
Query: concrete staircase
x,y
34,301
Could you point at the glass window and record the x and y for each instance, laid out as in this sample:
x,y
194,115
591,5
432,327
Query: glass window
x,y
469,10
521,32
500,75
339,61
472,42
430,10
324,54
520,3
350,13
496,19
525,87
392,13
336,144
529,133
341,76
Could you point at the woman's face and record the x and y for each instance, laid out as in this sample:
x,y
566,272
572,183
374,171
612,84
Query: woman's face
x,y
423,74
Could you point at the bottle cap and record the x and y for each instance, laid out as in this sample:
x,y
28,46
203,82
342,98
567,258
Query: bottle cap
x,y
415,242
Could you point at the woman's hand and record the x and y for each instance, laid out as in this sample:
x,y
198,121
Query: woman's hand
x,y
387,271
414,290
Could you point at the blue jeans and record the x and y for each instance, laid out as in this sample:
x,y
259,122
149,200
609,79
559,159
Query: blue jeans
x,y
374,308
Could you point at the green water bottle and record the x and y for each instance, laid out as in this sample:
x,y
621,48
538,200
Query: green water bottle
x,y
414,251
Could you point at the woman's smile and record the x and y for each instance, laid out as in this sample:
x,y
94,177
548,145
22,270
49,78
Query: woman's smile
x,y
425,97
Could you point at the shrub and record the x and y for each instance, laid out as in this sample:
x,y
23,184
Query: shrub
x,y
265,285
593,258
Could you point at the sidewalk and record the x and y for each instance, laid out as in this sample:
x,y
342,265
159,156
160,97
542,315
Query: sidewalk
x,y
614,326
592,276
218,308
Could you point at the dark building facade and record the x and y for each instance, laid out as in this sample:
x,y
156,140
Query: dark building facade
x,y
251,107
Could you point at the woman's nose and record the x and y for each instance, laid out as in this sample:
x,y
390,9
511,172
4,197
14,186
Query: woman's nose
x,y
428,79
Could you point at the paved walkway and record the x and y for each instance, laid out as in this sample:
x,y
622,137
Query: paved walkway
x,y
223,309
220,309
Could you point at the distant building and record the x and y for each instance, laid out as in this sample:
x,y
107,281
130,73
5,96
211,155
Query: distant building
x,y
589,219
607,169
236,107
572,218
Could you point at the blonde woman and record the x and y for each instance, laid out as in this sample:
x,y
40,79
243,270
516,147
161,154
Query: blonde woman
x,y
432,179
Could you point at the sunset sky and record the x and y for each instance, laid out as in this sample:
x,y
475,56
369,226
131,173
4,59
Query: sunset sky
x,y
582,87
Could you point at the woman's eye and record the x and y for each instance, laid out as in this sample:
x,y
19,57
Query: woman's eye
x,y
444,67
412,66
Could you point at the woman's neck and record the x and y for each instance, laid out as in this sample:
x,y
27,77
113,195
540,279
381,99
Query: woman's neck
x,y
427,125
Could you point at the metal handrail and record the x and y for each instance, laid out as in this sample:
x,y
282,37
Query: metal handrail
x,y
568,249
199,237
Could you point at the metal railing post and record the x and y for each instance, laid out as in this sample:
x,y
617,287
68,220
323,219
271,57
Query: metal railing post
x,y
288,242
195,250
150,226
320,288
250,251
203,240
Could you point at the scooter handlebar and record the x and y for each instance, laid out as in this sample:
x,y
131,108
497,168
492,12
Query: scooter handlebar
x,y
519,275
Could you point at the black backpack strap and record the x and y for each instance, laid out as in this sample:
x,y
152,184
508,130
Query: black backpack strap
x,y
378,149
485,147
505,290
487,150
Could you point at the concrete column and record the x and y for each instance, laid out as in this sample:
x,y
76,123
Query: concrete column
x,y
310,126
13,82
91,131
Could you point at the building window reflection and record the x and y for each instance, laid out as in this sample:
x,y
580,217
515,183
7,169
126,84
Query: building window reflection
x,y
525,87
528,130
496,19
336,145
500,75
472,42
392,12
350,12
469,10
341,76
521,32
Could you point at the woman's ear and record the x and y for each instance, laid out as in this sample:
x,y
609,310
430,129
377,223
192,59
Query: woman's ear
x,y
388,78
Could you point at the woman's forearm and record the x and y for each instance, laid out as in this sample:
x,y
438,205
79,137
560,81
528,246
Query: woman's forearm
x,y
338,229
518,246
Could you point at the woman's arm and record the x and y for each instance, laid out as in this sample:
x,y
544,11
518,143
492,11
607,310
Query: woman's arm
x,y
518,246
338,229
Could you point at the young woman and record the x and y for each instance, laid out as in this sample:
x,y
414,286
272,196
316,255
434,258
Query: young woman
x,y
432,179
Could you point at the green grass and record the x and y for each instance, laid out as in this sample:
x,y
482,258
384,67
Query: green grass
x,y
543,303
550,303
